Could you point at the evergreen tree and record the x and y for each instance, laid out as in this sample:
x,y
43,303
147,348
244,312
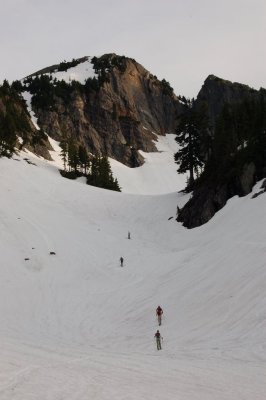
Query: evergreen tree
x,y
17,86
93,177
12,120
192,128
73,159
83,158
5,88
64,151
101,174
7,136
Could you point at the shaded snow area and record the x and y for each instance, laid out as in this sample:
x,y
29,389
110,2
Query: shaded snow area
x,y
77,326
79,73
27,97
158,173
55,154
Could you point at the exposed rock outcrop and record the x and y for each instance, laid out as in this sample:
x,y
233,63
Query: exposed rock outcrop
x,y
216,92
210,197
241,163
16,125
119,118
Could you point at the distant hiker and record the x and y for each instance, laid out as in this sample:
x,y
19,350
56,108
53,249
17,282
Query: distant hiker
x,y
121,261
128,235
158,340
159,313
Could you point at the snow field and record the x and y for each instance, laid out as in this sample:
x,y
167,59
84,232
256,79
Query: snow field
x,y
157,175
79,73
76,325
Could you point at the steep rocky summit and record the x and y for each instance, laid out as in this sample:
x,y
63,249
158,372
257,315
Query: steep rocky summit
x,y
110,104
216,92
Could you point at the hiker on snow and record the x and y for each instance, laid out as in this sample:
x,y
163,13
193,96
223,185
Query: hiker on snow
x,y
159,313
121,261
158,340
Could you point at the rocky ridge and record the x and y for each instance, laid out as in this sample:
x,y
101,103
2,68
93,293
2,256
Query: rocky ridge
x,y
117,113
241,170
216,92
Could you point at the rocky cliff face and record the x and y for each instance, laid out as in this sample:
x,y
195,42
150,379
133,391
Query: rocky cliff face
x,y
210,197
241,157
216,92
119,117
16,128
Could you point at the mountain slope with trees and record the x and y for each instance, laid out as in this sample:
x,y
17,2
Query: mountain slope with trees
x,y
235,158
110,106
114,112
16,128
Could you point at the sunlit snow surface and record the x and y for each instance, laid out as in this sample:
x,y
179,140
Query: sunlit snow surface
x,y
77,326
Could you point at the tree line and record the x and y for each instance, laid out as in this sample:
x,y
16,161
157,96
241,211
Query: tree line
x,y
14,120
78,162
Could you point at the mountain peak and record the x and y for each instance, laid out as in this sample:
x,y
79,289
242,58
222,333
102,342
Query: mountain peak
x,y
111,104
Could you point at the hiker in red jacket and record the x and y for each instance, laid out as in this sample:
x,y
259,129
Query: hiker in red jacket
x,y
159,313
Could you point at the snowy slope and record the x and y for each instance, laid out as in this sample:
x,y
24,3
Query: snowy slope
x,y
77,326
27,97
158,173
79,73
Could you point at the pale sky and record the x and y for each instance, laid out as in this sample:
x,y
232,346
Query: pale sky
x,y
182,41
